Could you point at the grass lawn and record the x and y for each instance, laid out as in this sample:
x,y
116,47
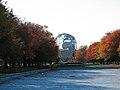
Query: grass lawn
x,y
104,65
9,71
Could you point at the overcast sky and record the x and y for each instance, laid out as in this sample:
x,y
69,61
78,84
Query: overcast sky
x,y
86,20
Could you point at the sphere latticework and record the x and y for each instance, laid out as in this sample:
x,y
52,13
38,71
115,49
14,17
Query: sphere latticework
x,y
67,46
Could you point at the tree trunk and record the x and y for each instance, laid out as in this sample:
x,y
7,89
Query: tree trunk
x,y
13,64
5,62
24,61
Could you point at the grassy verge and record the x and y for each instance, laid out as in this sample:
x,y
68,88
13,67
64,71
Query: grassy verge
x,y
104,65
89,65
9,71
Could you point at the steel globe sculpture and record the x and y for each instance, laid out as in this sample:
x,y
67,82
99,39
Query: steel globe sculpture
x,y
67,46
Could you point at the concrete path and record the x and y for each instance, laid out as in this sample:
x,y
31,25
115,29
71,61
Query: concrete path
x,y
67,79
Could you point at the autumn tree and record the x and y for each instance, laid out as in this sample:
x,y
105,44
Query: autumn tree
x,y
24,37
93,52
37,44
109,47
80,54
118,49
46,50
24,43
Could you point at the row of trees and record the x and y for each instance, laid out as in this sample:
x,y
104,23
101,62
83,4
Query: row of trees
x,y
24,43
105,51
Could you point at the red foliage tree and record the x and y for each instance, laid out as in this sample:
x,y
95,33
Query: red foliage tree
x,y
92,52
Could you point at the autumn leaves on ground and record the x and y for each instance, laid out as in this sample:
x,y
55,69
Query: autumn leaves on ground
x,y
26,44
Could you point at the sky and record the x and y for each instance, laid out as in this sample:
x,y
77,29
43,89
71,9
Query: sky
x,y
86,20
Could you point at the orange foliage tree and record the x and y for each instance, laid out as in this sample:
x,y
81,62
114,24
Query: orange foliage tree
x,y
80,54
109,47
92,52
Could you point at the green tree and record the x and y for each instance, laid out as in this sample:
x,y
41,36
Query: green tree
x,y
8,23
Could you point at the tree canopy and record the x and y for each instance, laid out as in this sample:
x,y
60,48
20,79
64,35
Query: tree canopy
x,y
24,43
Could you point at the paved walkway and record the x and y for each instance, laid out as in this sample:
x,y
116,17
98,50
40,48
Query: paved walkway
x,y
67,79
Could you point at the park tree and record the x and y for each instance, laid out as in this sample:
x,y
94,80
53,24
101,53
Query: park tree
x,y
37,44
80,55
109,47
8,24
45,47
118,49
46,52
28,35
93,52
96,50
103,50
23,38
